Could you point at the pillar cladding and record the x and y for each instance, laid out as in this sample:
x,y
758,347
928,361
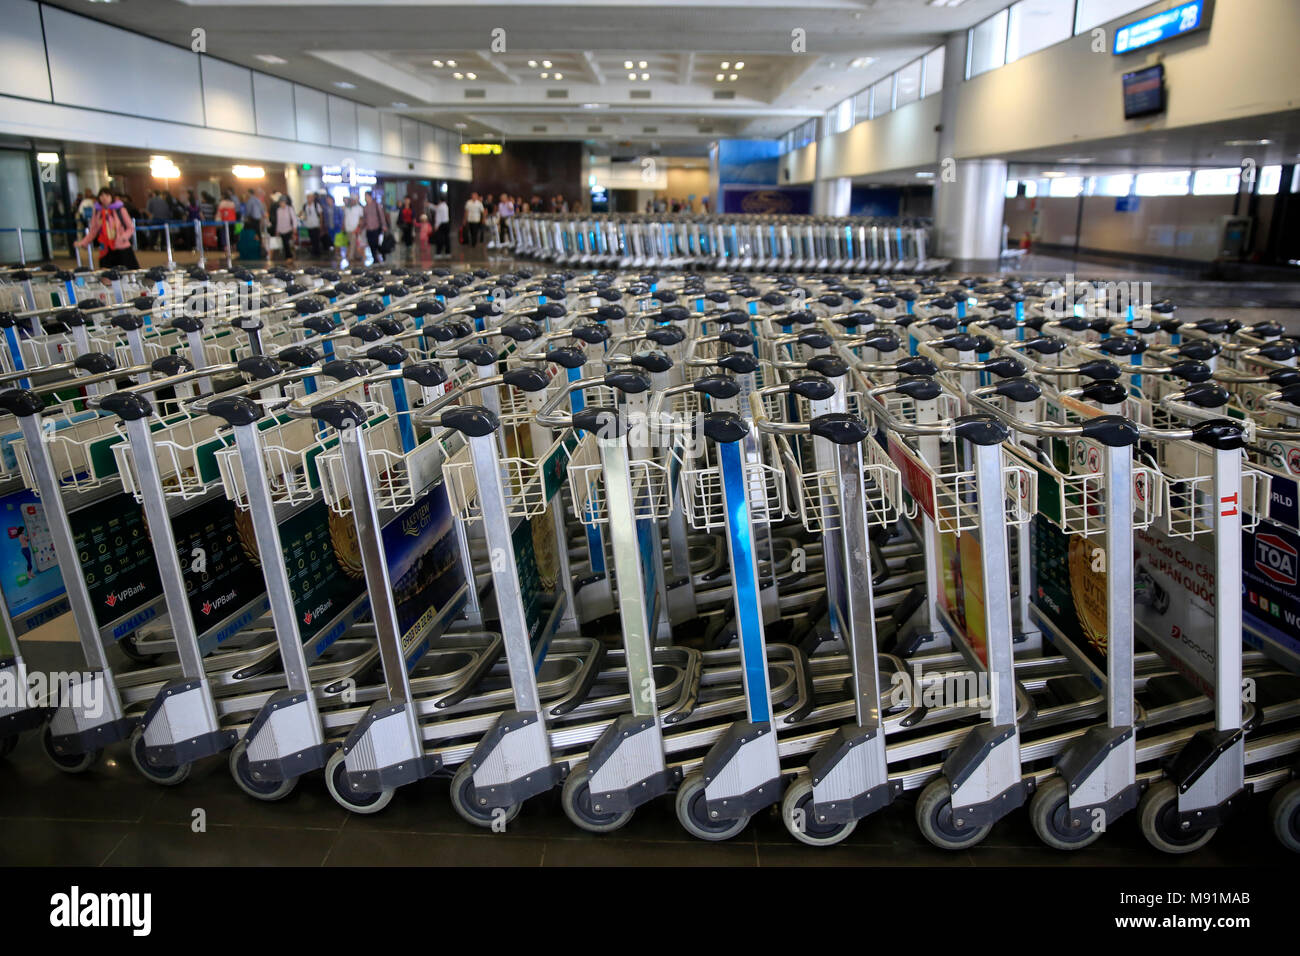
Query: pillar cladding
x,y
969,198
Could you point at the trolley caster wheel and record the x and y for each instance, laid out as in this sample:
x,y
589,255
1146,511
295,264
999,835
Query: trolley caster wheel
x,y
164,776
797,812
7,745
1158,818
1049,812
1284,811
575,797
693,812
464,798
934,817
267,790
131,649
336,781
67,762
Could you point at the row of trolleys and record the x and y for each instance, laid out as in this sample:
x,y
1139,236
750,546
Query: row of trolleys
x,y
736,455
859,245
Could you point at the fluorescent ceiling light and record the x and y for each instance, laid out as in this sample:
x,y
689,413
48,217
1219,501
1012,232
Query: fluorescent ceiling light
x,y
1055,174
858,63
401,106
924,175
248,172
946,3
461,125
270,58
345,85
1248,142
50,159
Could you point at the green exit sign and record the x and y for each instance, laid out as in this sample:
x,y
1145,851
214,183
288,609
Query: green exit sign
x,y
306,167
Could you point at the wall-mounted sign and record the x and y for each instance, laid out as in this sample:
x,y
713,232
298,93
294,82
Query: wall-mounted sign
x,y
1174,22
348,175
481,149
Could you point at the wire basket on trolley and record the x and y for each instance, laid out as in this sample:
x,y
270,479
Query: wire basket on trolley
x,y
185,449
649,480
1189,504
529,483
80,451
765,487
397,477
1076,503
947,493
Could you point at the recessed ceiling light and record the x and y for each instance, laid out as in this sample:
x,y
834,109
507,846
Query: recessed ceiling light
x,y
451,62
546,76
719,77
631,76
271,58
459,76
532,63
437,62
734,76
642,64
559,76
471,76
740,64
345,85
627,64
645,76
726,64
401,106
546,63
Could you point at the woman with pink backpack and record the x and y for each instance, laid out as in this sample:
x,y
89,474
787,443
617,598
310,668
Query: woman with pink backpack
x,y
113,228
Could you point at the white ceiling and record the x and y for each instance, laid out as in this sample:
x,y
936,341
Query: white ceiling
x,y
387,51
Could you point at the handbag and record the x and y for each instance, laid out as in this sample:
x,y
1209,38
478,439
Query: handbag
x,y
340,240
388,244
273,244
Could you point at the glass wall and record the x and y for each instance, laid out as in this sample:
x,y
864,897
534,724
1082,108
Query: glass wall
x,y
1093,13
1033,25
907,84
932,64
18,206
986,46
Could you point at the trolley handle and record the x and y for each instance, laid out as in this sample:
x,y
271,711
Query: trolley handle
x,y
719,386
979,429
553,414
1115,431
101,368
841,428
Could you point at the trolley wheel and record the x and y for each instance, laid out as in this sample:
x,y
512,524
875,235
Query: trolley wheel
x,y
575,797
934,817
1158,818
68,763
336,781
797,812
1284,810
131,648
1049,812
464,798
693,812
165,776
7,745
267,790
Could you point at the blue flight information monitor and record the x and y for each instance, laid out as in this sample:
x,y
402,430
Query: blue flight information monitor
x,y
1174,22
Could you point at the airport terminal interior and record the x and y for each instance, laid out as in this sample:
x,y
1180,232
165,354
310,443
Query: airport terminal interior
x,y
686,433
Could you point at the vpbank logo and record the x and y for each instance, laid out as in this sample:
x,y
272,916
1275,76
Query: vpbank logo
x,y
76,909
1275,559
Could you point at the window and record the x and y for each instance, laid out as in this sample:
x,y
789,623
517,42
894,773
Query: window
x,y
1174,182
1065,186
1216,182
932,65
908,86
1031,188
1011,189
841,117
1093,13
1120,184
986,45
1270,180
882,97
862,105
1036,24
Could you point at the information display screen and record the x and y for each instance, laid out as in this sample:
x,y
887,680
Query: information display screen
x,y
1144,92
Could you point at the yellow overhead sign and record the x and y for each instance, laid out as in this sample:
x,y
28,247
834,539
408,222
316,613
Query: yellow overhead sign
x,y
481,149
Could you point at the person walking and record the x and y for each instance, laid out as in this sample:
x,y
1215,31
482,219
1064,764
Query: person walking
x,y
286,226
112,228
505,211
406,223
375,219
442,228
312,218
473,219
424,231
159,211
254,213
352,213
227,215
